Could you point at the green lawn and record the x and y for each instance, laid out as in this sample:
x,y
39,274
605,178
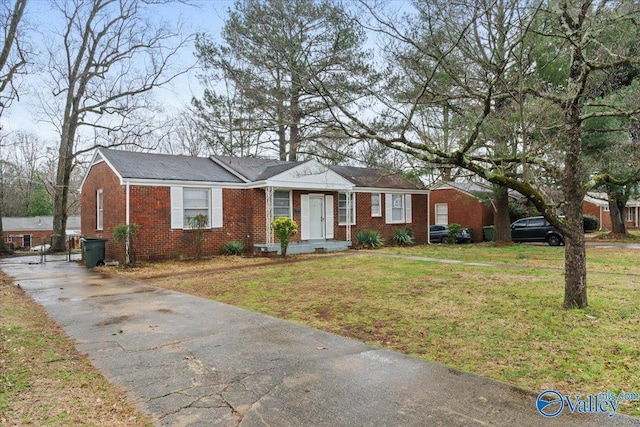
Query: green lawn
x,y
500,321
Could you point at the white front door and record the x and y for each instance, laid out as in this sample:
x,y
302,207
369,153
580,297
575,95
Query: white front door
x,y
316,216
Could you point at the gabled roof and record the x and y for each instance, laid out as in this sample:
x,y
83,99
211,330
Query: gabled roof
x,y
468,187
374,178
254,169
36,223
471,188
165,167
247,172
602,199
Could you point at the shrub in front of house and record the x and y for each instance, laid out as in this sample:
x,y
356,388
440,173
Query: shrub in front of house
x,y
124,235
402,237
199,224
590,223
452,232
369,239
284,228
233,248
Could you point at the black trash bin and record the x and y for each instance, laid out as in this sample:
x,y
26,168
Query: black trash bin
x,y
93,251
487,232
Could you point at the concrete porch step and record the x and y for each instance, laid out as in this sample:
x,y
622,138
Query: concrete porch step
x,y
309,247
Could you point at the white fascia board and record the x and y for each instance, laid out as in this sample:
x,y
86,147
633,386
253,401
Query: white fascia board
x,y
97,158
595,201
448,186
173,183
229,169
310,175
389,190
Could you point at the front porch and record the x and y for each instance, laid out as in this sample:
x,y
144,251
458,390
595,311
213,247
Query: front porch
x,y
307,247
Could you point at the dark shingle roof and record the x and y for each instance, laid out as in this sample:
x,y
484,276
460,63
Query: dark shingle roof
x,y
375,178
135,165
473,188
255,169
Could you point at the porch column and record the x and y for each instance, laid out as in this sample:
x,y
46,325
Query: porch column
x,y
268,215
349,220
128,222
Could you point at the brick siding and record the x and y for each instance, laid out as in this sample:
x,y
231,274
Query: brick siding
x,y
604,217
244,218
38,237
463,209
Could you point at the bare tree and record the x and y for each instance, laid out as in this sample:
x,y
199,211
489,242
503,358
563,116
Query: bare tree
x,y
12,57
585,34
184,135
103,64
12,61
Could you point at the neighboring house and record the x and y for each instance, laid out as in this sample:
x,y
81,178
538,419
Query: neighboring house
x,y
240,197
597,204
464,203
25,232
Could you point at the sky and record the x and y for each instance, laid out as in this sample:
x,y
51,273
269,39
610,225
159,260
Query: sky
x,y
198,16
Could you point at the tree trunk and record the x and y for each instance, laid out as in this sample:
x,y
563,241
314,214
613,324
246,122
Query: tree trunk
x,y
501,221
575,281
4,249
575,264
616,211
61,191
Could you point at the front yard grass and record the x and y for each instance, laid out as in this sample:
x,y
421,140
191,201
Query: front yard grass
x,y
43,378
500,321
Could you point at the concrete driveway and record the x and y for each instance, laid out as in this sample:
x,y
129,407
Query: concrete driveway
x,y
189,361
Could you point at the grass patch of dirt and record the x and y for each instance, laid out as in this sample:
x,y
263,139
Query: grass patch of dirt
x,y
44,380
503,322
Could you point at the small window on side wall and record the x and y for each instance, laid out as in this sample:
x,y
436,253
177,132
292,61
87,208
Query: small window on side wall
x,y
376,205
442,213
99,210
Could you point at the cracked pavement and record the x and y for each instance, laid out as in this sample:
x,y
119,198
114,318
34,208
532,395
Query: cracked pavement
x,y
188,361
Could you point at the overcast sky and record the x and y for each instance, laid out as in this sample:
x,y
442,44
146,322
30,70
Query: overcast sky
x,y
200,16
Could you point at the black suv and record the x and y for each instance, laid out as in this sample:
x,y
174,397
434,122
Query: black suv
x,y
536,229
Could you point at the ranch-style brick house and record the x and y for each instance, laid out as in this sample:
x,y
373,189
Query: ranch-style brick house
x,y
597,205
240,197
460,203
26,232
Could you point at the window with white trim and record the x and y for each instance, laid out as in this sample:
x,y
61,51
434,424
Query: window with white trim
x,y
397,208
342,208
188,202
282,204
99,210
195,201
630,216
442,213
376,205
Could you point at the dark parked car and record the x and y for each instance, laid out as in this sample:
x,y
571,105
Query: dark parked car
x,y
536,229
440,234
